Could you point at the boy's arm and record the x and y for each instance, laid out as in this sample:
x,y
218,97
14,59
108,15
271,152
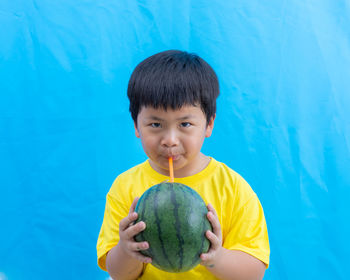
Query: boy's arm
x,y
229,264
121,266
233,264
124,260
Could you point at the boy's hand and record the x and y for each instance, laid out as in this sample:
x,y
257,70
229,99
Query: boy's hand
x,y
127,231
215,238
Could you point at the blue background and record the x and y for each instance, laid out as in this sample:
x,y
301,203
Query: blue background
x,y
283,122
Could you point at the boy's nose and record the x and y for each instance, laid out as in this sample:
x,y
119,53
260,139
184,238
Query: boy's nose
x,y
170,139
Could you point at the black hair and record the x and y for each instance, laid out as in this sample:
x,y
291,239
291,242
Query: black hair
x,y
172,79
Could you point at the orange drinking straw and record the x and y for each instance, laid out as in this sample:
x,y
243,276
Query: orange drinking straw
x,y
171,170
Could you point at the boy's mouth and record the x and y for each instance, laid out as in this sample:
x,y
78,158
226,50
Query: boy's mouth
x,y
175,157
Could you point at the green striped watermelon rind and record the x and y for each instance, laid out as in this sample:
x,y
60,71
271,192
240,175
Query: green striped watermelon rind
x,y
176,230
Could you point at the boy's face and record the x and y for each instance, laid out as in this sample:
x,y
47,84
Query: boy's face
x,y
174,133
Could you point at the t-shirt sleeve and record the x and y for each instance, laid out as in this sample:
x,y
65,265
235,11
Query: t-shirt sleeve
x,y
248,230
115,211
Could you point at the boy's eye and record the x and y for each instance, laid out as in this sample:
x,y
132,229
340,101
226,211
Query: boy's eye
x,y
155,125
185,124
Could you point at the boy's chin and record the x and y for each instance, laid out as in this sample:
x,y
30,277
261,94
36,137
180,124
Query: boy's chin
x,y
161,165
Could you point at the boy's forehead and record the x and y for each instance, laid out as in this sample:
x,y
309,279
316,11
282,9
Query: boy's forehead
x,y
186,110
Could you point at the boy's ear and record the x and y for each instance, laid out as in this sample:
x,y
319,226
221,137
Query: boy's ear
x,y
137,133
210,126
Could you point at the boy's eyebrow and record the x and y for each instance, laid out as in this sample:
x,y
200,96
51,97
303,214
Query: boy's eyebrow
x,y
186,117
153,118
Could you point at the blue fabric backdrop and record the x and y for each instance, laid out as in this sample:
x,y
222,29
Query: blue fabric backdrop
x,y
283,122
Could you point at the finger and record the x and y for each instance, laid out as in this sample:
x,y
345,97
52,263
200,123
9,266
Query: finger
x,y
204,257
125,223
133,230
213,219
214,240
140,257
207,259
133,205
212,209
138,246
209,256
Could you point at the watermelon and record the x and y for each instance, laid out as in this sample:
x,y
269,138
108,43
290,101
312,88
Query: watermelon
x,y
176,222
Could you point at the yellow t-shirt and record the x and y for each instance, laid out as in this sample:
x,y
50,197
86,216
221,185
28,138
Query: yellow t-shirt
x,y
240,213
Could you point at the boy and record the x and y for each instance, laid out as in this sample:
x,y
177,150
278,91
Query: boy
x,y
173,103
